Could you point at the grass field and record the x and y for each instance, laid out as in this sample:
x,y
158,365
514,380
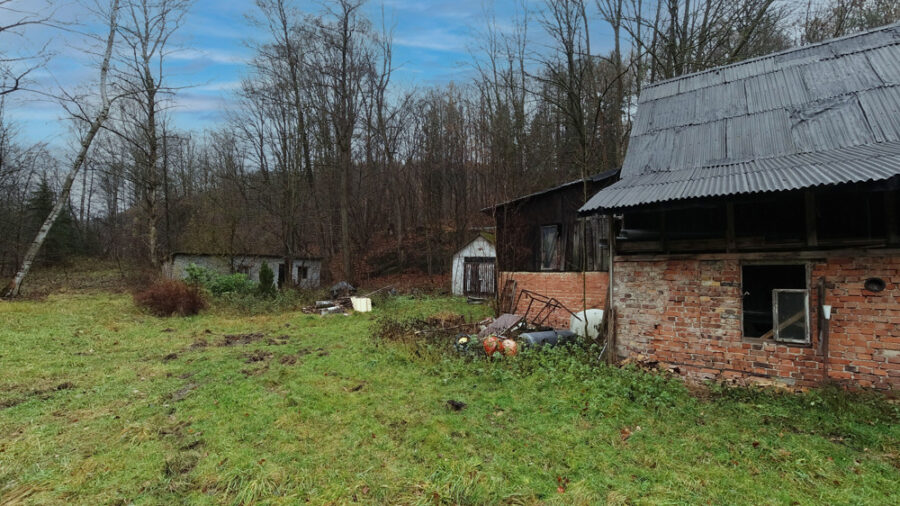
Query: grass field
x,y
101,404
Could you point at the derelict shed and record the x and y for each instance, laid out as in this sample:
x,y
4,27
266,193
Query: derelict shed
x,y
545,247
306,272
474,268
759,217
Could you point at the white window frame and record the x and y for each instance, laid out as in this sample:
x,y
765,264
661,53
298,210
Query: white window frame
x,y
775,318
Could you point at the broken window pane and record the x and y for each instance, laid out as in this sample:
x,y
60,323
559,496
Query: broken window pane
x,y
791,316
550,247
757,284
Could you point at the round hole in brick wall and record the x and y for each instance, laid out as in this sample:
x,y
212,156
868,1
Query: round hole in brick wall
x,y
874,284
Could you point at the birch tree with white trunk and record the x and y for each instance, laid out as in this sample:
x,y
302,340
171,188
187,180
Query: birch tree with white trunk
x,y
96,123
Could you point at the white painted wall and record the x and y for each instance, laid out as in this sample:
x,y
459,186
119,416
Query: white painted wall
x,y
479,247
176,268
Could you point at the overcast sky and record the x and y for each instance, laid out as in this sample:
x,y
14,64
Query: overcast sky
x,y
432,45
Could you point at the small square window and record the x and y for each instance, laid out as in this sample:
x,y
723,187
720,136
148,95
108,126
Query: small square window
x,y
302,272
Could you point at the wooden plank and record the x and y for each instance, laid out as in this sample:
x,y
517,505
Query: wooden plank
x,y
783,325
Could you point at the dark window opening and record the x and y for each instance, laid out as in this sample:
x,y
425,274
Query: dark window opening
x,y
760,284
550,247
641,226
778,219
302,272
243,269
850,215
696,223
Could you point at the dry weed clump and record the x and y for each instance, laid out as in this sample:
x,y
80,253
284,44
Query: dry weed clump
x,y
170,298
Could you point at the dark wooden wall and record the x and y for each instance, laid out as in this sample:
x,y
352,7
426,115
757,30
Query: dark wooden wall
x,y
519,225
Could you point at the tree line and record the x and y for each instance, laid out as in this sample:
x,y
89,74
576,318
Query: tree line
x,y
324,152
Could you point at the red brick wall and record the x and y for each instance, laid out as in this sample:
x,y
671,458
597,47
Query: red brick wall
x,y
567,287
687,313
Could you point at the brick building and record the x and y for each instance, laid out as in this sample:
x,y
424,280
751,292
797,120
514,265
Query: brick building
x,y
757,218
544,246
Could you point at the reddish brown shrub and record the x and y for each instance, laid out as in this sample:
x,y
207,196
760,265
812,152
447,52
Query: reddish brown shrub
x,y
167,298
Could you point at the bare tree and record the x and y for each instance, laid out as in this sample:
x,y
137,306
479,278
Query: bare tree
x,y
96,123
14,69
835,18
146,32
345,62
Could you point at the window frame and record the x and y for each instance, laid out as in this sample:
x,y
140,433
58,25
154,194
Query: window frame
x,y
776,336
557,261
775,262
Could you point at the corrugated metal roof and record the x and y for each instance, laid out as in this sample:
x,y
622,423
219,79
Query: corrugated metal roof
x,y
777,122
790,172
596,178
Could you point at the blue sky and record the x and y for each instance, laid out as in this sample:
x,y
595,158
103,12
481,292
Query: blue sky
x,y
433,42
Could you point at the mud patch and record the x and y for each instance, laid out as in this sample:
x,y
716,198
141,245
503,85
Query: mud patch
x,y
257,356
288,360
199,344
242,339
42,394
279,340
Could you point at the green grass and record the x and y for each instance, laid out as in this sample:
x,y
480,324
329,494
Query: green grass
x,y
100,403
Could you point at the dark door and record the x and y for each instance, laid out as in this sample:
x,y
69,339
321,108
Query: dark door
x,y
478,276
280,275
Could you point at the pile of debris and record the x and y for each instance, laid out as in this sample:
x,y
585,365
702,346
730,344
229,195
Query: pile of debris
x,y
343,301
504,333
341,305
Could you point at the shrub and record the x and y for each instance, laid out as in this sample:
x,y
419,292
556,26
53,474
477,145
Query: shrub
x,y
167,298
219,284
231,283
266,280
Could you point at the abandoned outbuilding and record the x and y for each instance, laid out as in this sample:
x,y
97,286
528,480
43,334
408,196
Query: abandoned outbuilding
x,y
545,247
759,211
306,272
474,265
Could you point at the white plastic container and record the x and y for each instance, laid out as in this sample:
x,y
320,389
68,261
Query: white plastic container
x,y
361,304
594,319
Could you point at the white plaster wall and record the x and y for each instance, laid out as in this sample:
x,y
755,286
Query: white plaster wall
x,y
480,247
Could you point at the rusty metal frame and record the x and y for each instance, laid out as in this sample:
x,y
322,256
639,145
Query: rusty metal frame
x,y
547,306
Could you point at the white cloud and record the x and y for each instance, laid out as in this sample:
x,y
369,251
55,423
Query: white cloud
x,y
433,42
218,86
229,57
